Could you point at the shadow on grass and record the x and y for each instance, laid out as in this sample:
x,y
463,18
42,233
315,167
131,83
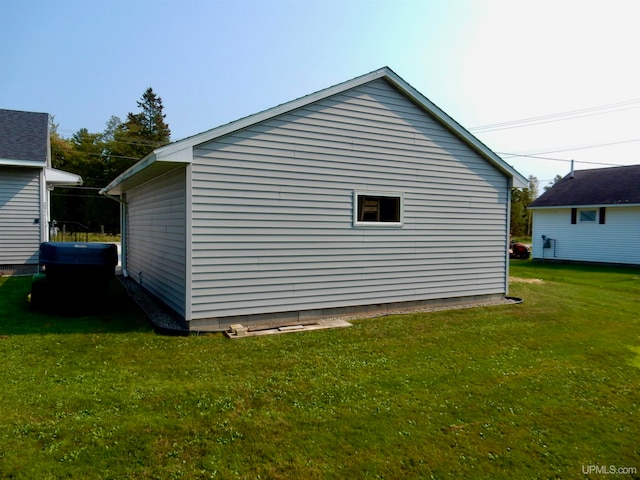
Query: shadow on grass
x,y
117,314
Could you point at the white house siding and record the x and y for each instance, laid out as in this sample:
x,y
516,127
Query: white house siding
x,y
19,215
156,213
617,241
273,211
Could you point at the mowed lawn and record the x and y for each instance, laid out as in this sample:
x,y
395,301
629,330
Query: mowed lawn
x,y
549,388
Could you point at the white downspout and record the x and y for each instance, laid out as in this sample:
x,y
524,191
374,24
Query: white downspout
x,y
123,235
44,208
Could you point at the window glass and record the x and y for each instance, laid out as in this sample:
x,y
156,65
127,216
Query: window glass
x,y
378,208
587,215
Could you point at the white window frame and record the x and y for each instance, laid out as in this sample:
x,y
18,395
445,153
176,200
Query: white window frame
x,y
366,193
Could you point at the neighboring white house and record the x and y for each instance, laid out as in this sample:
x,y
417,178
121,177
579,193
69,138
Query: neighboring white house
x,y
590,216
26,177
361,197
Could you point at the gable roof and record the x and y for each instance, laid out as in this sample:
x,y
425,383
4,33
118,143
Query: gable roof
x,y
168,157
24,138
599,186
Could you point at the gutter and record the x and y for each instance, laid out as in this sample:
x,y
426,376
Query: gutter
x,y
130,172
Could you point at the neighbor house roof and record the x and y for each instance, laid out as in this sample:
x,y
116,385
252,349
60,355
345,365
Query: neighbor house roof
x,y
168,157
24,142
599,186
24,138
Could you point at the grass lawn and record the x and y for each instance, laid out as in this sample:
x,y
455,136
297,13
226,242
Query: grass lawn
x,y
545,389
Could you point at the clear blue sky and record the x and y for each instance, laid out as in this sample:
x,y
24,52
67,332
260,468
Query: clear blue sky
x,y
214,61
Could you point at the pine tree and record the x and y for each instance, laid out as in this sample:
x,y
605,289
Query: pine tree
x,y
555,180
141,133
520,200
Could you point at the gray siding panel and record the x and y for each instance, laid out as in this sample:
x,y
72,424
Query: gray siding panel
x,y
19,207
273,211
156,213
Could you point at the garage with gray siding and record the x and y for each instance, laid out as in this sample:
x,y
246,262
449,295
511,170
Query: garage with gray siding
x,y
359,197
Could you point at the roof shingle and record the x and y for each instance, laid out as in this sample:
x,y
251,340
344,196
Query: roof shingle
x,y
24,135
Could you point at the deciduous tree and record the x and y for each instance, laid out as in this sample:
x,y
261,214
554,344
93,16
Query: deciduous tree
x,y
520,200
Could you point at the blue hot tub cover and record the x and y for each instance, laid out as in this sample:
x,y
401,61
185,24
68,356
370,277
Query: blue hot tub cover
x,y
71,253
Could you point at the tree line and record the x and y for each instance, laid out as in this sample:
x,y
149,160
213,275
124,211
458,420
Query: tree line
x,y
100,157
521,217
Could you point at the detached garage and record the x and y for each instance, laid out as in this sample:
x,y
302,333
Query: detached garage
x,y
361,197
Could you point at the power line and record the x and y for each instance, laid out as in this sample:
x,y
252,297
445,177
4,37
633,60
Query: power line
x,y
127,141
585,147
570,149
522,155
557,117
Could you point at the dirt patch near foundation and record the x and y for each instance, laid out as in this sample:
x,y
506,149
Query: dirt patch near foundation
x,y
536,281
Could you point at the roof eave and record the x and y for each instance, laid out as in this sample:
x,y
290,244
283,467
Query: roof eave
x,y
592,205
159,161
60,178
10,162
129,172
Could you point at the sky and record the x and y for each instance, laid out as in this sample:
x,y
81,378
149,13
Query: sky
x,y
541,83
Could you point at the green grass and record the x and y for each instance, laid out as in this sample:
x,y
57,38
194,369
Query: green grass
x,y
544,389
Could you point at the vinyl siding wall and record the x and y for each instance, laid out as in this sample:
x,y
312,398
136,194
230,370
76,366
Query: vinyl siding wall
x,y
273,211
156,213
617,241
19,207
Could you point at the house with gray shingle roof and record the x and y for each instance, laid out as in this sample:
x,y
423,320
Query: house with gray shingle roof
x,y
26,178
590,216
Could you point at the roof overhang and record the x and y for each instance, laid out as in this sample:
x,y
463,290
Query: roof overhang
x,y
599,205
157,163
60,178
9,162
181,152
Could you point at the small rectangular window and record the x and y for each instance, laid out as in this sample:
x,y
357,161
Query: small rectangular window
x,y
381,209
587,215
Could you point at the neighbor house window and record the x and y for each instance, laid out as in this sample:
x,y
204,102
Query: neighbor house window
x,y
587,215
378,209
